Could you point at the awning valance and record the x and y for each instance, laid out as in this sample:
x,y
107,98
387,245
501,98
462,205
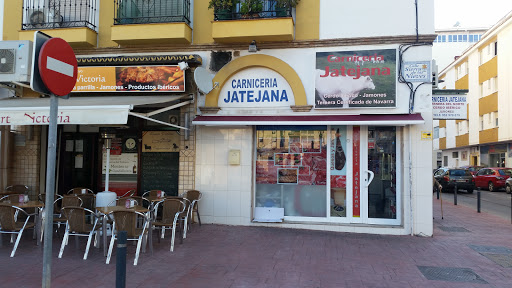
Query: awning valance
x,y
75,110
373,119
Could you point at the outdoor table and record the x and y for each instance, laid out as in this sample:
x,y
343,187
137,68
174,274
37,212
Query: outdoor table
x,y
39,216
104,211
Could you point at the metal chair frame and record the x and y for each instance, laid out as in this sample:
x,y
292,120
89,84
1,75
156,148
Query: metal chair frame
x,y
162,224
10,225
138,238
71,231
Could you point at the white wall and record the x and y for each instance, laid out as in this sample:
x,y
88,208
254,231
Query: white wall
x,y
226,189
368,18
504,83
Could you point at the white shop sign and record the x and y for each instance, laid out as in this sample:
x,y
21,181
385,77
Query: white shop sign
x,y
446,107
417,71
76,115
256,87
125,163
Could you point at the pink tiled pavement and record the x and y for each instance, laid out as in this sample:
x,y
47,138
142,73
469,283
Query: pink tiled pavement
x,y
235,257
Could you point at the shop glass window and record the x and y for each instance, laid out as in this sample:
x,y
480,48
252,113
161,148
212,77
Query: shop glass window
x,y
291,169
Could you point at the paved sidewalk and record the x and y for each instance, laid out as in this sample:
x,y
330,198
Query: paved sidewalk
x,y
475,248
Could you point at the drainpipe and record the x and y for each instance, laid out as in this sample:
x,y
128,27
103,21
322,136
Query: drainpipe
x,y
411,210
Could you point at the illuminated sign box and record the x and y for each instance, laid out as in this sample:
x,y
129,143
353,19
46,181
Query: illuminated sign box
x,y
130,79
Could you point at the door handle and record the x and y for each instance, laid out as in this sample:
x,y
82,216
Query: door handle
x,y
371,178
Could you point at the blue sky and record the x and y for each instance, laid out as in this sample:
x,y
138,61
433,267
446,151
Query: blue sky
x,y
470,13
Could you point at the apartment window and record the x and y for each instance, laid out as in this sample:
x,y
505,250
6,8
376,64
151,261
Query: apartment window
x,y
459,38
496,120
481,123
495,48
465,38
455,154
436,132
443,38
450,38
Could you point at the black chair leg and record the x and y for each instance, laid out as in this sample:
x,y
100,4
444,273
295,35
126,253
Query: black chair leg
x,y
198,217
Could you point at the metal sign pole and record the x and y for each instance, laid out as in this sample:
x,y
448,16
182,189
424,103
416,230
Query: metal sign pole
x,y
50,191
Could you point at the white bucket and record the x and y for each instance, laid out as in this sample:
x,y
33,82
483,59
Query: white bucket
x,y
106,198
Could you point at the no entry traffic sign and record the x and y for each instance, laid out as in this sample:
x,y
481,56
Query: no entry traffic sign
x,y
58,66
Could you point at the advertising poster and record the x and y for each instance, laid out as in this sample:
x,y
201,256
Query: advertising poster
x,y
125,163
338,170
160,141
356,79
130,79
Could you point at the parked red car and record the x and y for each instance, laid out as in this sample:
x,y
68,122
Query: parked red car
x,y
472,169
492,178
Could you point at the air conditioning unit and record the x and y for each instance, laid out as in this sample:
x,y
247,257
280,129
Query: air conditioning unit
x,y
15,61
43,18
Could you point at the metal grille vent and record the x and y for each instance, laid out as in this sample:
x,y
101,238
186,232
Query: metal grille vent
x,y
7,61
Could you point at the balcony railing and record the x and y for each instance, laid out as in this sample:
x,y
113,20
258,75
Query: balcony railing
x,y
51,14
151,11
269,10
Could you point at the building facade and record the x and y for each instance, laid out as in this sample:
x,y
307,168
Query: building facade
x,y
284,118
484,137
451,43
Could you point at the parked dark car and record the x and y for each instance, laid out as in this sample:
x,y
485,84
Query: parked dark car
x,y
449,177
473,169
508,185
492,178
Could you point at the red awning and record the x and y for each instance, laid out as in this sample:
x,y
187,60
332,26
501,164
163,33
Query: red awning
x,y
368,119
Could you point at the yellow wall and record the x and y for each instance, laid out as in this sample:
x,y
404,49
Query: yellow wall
x,y
307,25
488,70
106,21
442,143
488,104
462,83
203,18
489,135
442,123
12,19
462,140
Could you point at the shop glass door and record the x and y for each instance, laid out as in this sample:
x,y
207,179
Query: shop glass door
x,y
381,198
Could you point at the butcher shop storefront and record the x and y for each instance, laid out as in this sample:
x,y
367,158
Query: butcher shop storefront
x,y
329,147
